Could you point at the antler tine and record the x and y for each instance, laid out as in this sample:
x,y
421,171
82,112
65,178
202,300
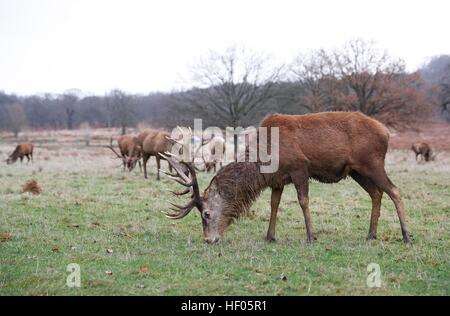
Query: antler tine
x,y
179,172
182,211
186,191
182,132
180,181
114,151
174,140
167,173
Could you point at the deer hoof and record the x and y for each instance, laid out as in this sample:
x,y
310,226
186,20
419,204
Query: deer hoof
x,y
310,240
270,239
371,236
408,241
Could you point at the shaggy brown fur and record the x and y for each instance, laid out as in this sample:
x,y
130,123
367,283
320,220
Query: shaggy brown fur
x,y
324,146
22,150
141,137
131,150
237,198
32,187
423,150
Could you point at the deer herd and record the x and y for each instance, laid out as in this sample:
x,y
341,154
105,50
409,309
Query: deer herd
x,y
327,147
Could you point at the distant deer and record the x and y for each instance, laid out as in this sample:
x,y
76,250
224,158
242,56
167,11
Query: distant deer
x,y
324,146
153,143
22,150
423,150
207,151
130,151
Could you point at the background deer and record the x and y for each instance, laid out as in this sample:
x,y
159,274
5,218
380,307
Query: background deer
x,y
131,150
324,146
423,150
207,151
25,149
153,143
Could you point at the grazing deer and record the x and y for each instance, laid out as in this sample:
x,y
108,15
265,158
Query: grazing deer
x,y
423,150
155,142
323,146
131,150
207,151
25,149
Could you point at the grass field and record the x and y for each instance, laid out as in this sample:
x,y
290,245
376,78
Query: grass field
x,y
110,223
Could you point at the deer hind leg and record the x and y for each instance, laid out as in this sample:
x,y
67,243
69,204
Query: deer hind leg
x,y
158,165
382,181
145,158
274,203
375,194
302,187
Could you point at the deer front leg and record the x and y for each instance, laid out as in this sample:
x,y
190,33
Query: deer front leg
x,y
302,187
274,203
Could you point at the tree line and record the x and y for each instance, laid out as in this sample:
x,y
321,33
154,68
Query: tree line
x,y
238,88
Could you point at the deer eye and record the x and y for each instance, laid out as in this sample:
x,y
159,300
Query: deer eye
x,y
206,215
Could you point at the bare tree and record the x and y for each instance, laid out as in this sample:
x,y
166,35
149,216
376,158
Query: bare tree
x,y
317,76
123,113
109,110
231,88
368,72
17,118
444,93
359,77
436,73
68,101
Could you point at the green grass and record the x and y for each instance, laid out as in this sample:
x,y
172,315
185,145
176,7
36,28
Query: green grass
x,y
88,206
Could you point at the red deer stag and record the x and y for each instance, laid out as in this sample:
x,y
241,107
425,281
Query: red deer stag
x,y
130,151
25,149
323,146
155,142
423,150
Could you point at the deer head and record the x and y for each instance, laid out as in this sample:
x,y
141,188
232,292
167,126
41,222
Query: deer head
x,y
210,204
12,158
135,157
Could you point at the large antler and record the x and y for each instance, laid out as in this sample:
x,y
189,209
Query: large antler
x,y
187,178
113,150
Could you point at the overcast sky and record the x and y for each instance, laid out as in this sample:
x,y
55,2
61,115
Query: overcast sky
x,y
146,46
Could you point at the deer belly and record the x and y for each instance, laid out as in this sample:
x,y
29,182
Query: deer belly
x,y
330,175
